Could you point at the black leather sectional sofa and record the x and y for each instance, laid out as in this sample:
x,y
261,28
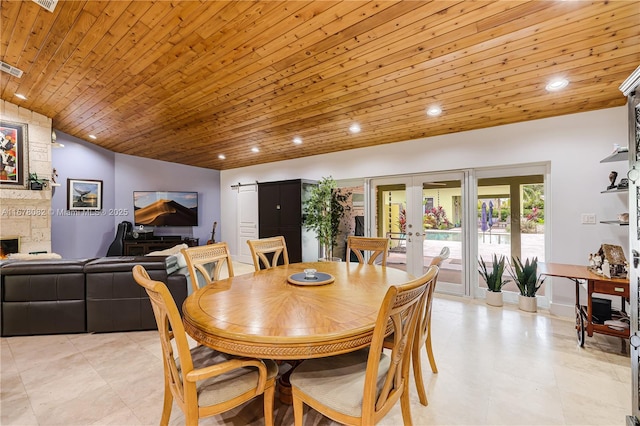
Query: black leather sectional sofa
x,y
82,295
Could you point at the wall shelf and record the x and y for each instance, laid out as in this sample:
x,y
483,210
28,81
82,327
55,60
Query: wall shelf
x,y
606,191
620,154
615,222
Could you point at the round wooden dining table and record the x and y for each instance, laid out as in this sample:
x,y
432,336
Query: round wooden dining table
x,y
263,315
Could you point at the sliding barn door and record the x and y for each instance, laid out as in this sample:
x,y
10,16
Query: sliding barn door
x,y
247,219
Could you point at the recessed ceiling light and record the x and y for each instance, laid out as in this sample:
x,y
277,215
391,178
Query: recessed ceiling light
x,y
93,136
434,111
255,149
222,157
557,84
297,140
21,96
354,128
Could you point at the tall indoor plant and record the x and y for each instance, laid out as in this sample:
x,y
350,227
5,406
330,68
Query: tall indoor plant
x,y
494,279
323,211
526,278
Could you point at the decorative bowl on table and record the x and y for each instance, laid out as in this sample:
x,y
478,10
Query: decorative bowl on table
x,y
310,277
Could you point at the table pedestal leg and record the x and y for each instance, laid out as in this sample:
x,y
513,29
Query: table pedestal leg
x,y
284,385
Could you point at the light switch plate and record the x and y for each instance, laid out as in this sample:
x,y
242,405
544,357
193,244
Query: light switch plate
x,y
589,218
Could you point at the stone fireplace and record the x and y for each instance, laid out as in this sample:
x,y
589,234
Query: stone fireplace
x,y
24,213
9,245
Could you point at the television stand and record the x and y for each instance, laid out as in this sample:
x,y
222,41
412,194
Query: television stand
x,y
142,247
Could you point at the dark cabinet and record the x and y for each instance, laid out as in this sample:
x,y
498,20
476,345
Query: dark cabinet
x,y
143,247
280,207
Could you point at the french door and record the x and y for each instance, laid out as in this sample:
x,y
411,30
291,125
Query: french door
x,y
422,214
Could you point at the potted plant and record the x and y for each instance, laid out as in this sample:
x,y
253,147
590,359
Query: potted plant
x,y
323,212
494,279
526,278
36,183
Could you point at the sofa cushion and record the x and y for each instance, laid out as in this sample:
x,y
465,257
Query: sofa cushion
x,y
173,251
45,266
126,263
45,317
115,302
39,287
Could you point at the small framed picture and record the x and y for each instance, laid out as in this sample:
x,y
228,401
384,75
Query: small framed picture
x,y
84,194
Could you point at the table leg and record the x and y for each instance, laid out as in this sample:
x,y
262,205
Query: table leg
x,y
579,315
284,385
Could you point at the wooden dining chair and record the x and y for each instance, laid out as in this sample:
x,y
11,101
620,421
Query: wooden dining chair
x,y
379,247
444,254
205,263
423,333
203,382
361,387
276,246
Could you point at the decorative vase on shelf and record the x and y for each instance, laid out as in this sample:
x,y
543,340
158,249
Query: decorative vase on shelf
x,y
494,298
527,303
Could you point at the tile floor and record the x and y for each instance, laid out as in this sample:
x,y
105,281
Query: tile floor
x,y
497,366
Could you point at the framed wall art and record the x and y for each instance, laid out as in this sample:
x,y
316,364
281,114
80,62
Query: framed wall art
x,y
13,155
84,194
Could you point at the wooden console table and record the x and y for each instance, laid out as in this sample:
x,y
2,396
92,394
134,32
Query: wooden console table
x,y
595,284
143,247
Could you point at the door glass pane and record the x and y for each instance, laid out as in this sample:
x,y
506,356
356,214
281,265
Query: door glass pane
x,y
391,222
510,221
532,224
442,221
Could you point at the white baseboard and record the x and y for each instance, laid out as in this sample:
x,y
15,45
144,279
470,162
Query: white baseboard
x,y
561,310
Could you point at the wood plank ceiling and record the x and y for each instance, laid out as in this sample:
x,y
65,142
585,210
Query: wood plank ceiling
x,y
187,81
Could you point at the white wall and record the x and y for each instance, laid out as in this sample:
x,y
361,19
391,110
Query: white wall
x,y
572,144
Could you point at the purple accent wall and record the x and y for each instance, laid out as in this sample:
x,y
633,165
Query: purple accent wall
x,y
143,174
75,235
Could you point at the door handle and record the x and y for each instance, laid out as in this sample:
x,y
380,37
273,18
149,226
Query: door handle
x,y
636,258
634,341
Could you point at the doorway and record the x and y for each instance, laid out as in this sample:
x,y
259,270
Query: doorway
x,y
422,214
472,212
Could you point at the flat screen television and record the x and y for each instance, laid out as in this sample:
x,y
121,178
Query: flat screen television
x,y
165,208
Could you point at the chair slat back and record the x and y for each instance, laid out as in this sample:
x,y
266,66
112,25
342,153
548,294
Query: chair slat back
x,y
399,314
171,332
205,263
379,247
276,246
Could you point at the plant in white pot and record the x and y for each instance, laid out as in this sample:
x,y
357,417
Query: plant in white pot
x,y
323,212
494,279
526,278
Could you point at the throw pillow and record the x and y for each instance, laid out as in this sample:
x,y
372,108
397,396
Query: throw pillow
x,y
173,251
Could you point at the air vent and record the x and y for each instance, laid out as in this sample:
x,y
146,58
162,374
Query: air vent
x,y
50,5
16,72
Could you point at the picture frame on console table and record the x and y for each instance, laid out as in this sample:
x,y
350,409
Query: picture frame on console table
x,y
84,194
14,151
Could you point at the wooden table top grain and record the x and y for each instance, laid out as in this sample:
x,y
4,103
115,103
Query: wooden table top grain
x,y
580,272
262,315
